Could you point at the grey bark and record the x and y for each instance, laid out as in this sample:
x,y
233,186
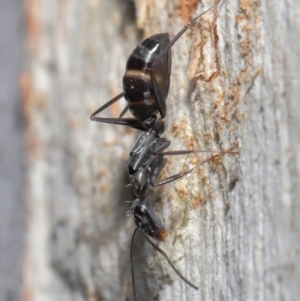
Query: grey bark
x,y
12,173
233,226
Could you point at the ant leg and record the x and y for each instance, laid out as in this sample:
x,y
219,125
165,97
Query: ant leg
x,y
162,108
192,151
181,32
161,101
170,263
131,122
109,103
123,112
184,173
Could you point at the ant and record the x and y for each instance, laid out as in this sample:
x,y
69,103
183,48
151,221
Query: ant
x,y
146,80
146,161
145,88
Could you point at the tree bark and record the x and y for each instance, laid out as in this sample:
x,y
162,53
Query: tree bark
x,y
233,225
12,171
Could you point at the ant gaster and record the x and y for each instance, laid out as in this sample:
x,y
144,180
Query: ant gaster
x,y
147,79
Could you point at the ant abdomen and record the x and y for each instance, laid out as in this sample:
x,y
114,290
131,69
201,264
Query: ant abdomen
x,y
146,86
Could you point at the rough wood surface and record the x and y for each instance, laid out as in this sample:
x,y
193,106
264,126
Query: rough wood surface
x,y
12,171
234,224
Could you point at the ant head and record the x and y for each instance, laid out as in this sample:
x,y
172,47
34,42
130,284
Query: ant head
x,y
147,220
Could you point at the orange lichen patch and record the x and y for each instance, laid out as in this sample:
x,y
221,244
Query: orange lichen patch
x,y
27,294
31,101
208,138
215,162
203,178
175,129
178,125
91,297
190,142
25,84
197,201
247,7
186,8
73,121
194,160
234,90
128,130
163,175
105,188
32,144
26,91
218,103
142,7
245,21
100,174
115,109
105,209
248,27
31,98
222,112
160,190
32,22
182,192
204,57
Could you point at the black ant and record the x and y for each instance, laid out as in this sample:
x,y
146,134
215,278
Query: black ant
x,y
145,88
146,81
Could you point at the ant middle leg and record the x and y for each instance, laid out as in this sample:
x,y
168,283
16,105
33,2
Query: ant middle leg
x,y
157,169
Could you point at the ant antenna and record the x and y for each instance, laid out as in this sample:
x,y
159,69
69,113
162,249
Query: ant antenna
x,y
157,248
131,263
182,31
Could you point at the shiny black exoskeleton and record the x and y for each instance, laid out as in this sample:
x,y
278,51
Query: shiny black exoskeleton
x,y
146,81
145,163
143,169
146,87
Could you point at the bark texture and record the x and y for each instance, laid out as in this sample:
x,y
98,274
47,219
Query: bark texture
x,y
234,224
12,172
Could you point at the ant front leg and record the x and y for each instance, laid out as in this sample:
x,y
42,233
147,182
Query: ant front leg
x,y
131,122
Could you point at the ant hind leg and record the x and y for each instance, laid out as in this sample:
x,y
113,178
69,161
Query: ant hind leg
x,y
131,122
